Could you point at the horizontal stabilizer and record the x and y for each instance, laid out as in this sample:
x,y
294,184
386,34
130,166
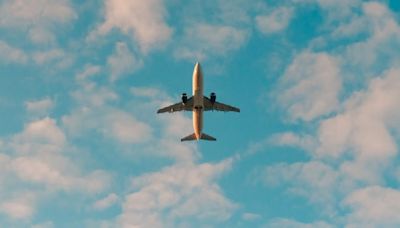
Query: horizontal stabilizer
x,y
189,138
207,137
203,137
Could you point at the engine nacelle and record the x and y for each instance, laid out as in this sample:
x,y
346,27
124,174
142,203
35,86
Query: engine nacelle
x,y
184,98
213,97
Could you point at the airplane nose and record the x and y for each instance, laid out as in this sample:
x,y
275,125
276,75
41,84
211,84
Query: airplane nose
x,y
197,66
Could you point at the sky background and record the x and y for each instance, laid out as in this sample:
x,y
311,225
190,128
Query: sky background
x,y
315,143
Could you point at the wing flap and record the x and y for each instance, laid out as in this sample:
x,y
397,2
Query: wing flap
x,y
180,106
208,105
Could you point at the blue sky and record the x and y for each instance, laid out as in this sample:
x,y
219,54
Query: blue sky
x,y
315,144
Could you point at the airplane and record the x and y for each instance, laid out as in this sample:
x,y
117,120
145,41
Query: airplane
x,y
198,103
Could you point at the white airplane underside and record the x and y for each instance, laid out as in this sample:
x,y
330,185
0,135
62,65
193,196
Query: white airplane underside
x,y
198,103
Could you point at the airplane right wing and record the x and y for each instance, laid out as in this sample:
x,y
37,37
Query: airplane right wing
x,y
180,106
208,105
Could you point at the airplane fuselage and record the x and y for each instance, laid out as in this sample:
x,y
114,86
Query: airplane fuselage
x,y
198,104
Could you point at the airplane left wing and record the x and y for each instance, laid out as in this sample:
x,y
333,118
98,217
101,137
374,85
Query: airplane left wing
x,y
180,106
208,105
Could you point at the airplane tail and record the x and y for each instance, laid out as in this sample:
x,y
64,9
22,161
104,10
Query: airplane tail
x,y
189,138
207,137
203,137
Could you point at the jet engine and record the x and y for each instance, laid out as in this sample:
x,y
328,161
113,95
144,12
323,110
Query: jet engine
x,y
213,97
184,98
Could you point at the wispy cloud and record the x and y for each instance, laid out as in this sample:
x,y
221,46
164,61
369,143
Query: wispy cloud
x,y
37,158
106,202
274,22
122,61
40,159
373,206
288,223
176,194
39,18
9,54
364,128
39,107
311,91
354,139
202,40
21,207
96,113
314,180
251,216
305,142
145,22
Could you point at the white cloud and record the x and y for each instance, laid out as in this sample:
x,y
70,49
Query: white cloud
x,y
356,142
234,11
9,54
176,194
143,20
145,92
374,19
336,10
58,58
112,123
314,180
96,113
373,206
21,207
89,94
39,107
251,216
89,71
289,223
37,160
40,135
310,86
134,126
48,56
125,128
47,224
93,96
204,40
291,139
364,129
358,146
123,61
41,35
375,9
40,160
305,142
39,17
274,22
175,126
106,202
374,34
58,173
382,42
